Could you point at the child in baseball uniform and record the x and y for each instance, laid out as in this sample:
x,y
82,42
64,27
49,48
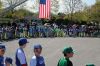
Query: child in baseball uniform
x,y
37,59
20,55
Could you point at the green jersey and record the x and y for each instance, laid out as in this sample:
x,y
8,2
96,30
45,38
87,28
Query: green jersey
x,y
64,62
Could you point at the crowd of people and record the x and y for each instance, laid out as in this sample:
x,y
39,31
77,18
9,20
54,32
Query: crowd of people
x,y
34,30
37,59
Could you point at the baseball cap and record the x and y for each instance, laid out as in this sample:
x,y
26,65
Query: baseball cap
x,y
23,41
9,60
68,50
37,46
2,46
90,65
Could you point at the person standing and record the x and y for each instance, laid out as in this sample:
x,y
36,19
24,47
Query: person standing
x,y
37,59
20,55
90,65
2,52
65,61
8,61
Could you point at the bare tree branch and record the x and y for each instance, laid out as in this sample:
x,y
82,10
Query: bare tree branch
x,y
54,6
72,6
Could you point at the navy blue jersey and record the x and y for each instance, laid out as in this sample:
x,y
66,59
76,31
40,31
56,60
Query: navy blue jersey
x,y
2,61
37,61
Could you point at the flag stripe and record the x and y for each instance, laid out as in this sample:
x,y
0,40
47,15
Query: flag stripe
x,y
44,10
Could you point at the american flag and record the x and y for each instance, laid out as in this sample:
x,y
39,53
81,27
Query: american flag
x,y
44,9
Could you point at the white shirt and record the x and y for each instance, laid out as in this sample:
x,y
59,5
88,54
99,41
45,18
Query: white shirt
x,y
21,56
33,61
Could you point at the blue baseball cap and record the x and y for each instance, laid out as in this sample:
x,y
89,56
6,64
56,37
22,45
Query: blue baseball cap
x,y
2,46
8,60
22,41
37,46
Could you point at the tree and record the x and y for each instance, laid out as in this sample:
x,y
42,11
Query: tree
x,y
0,5
8,3
97,0
35,6
21,13
55,6
72,6
10,6
12,3
95,12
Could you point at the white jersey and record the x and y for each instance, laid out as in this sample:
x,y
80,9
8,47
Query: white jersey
x,y
33,61
20,57
37,61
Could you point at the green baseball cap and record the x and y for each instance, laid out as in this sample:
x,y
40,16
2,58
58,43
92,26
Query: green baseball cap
x,y
68,50
90,65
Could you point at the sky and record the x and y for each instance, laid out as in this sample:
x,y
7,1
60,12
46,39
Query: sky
x,y
31,2
89,2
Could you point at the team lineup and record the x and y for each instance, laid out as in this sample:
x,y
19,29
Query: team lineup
x,y
37,59
49,32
